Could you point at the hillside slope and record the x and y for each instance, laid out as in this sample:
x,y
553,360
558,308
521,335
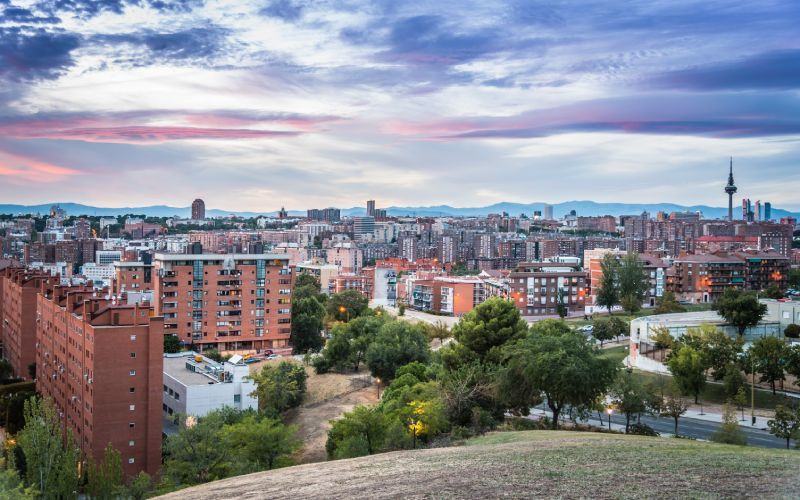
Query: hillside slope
x,y
532,464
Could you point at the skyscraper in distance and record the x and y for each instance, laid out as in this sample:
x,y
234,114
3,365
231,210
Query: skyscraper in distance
x,y
730,189
198,209
371,208
548,212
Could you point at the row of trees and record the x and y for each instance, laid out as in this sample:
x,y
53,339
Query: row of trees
x,y
706,352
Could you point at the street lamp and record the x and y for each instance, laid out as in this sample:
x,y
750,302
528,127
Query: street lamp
x,y
609,410
343,310
378,387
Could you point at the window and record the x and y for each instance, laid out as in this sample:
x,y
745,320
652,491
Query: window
x,y
133,338
133,354
132,372
132,407
132,390
130,460
237,398
131,443
131,425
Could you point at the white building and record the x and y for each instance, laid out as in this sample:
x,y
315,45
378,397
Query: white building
x,y
195,385
100,275
106,257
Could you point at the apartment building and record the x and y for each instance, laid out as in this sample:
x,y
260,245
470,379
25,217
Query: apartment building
x,y
229,302
18,289
101,364
453,296
703,278
535,288
133,276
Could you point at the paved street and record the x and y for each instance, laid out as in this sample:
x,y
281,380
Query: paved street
x,y
695,428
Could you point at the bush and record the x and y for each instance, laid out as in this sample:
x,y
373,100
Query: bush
x,y
729,432
401,310
792,331
641,429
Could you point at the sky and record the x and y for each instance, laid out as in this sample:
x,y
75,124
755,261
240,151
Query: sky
x,y
253,105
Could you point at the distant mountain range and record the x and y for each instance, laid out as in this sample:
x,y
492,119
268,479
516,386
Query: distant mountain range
x,y
587,208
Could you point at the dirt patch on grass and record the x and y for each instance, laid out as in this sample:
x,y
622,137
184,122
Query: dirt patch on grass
x,y
533,464
313,421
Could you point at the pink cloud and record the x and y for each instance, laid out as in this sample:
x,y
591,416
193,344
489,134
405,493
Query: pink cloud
x,y
17,167
149,127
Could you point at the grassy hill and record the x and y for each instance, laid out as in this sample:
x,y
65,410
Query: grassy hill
x,y
533,464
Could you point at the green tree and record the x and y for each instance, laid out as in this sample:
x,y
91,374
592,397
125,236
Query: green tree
x,y
172,343
347,305
734,380
619,327
729,432
261,443
741,400
667,304
674,408
308,317
793,362
770,355
608,292
401,310
772,292
396,344
719,350
305,286
51,459
11,485
662,338
488,327
786,424
213,355
195,453
562,307
566,369
348,345
740,309
104,479
279,387
793,278
140,486
632,282
792,331
359,432
471,386
629,396
5,369
439,330
688,371
601,330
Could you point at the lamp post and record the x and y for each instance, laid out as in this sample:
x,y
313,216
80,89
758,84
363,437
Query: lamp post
x,y
609,410
753,391
343,310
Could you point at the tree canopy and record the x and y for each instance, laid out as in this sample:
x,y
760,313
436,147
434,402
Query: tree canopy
x,y
740,309
488,327
565,369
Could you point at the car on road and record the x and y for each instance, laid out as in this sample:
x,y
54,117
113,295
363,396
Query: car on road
x,y
274,356
588,329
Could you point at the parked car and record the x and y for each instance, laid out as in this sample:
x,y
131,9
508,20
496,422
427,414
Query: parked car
x,y
274,356
586,329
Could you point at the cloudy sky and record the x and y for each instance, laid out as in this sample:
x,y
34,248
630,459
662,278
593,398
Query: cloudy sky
x,y
252,104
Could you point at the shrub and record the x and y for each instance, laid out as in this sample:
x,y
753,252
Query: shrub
x,y
641,429
792,331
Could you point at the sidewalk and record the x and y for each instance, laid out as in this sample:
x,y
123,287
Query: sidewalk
x,y
761,422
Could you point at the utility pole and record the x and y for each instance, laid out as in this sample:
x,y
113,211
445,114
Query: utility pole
x,y
753,391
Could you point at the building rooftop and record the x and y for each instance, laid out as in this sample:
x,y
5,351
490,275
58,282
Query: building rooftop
x,y
203,372
219,256
686,318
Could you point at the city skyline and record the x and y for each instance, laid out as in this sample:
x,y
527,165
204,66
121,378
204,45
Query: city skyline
x,y
465,104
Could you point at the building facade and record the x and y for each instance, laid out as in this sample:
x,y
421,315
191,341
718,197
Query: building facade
x,y
229,302
101,364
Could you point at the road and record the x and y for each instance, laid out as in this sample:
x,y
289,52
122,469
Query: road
x,y
695,428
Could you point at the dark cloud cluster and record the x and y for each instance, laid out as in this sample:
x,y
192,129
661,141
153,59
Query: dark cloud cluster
x,y
26,16
288,10
91,8
776,70
27,54
194,44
